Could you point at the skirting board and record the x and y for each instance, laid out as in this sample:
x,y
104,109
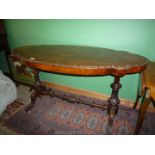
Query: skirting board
x,y
96,95
86,93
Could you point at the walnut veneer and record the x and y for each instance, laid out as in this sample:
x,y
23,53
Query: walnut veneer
x,y
80,60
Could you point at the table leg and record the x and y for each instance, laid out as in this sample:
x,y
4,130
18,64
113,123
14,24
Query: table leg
x,y
113,103
38,89
142,111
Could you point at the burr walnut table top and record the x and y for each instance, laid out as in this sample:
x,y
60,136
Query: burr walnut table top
x,y
80,60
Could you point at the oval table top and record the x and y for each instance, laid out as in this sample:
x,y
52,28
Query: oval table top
x,y
80,60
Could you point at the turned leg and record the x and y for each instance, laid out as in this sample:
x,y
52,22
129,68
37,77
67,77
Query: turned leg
x,y
36,92
33,101
113,103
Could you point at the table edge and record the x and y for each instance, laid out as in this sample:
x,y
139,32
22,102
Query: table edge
x,y
110,70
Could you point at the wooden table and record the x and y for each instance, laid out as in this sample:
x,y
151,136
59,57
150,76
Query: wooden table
x,y
83,61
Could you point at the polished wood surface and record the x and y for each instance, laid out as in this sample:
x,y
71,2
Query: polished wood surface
x,y
147,93
149,78
80,60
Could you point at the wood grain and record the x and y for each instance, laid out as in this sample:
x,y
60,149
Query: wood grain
x,y
80,60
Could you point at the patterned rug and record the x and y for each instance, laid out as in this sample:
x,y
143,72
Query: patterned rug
x,y
11,109
56,116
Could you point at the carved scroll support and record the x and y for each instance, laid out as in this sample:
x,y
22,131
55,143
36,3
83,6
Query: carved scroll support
x,y
38,89
113,103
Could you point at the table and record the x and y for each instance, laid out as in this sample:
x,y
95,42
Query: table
x,y
80,61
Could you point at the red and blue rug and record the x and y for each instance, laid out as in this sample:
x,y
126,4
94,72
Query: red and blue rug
x,y
54,116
